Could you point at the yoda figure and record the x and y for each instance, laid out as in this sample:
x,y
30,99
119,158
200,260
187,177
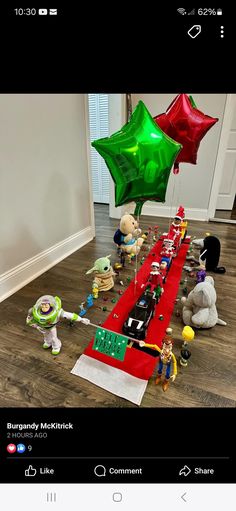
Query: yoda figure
x,y
103,278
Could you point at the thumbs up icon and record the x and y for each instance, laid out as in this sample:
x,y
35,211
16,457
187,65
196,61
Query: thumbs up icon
x,y
30,472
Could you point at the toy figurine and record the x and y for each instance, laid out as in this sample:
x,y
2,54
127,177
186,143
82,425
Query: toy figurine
x,y
185,356
201,275
166,358
45,315
82,309
167,251
127,237
188,334
95,293
103,280
176,227
118,266
167,247
154,282
163,269
89,301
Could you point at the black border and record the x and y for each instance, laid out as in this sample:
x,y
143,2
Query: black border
x,y
129,50
138,51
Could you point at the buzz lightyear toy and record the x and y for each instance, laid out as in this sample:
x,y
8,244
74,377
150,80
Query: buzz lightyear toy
x,y
45,315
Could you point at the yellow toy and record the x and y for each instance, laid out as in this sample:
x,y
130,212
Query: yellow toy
x,y
188,335
95,292
183,226
166,358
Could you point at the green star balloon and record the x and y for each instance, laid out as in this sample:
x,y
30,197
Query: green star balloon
x,y
139,158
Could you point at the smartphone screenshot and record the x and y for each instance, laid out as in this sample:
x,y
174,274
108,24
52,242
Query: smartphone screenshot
x,y
117,258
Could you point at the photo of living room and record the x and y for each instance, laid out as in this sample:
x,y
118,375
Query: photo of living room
x,y
117,265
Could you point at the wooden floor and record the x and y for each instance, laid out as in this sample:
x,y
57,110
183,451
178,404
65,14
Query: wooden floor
x,y
31,377
229,215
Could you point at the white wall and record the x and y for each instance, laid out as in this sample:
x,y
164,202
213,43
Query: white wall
x,y
44,184
193,183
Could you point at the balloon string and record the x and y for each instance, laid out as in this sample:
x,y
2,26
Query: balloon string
x,y
128,106
178,192
136,264
171,204
138,208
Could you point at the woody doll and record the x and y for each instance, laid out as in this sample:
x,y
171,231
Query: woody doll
x,y
166,358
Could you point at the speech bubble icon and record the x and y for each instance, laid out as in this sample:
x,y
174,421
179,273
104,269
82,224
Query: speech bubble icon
x,y
100,471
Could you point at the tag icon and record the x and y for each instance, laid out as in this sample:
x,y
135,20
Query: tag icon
x,y
194,31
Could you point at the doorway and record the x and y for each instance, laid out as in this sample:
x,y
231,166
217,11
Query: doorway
x,y
222,207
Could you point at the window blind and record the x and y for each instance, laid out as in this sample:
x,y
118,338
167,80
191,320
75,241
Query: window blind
x,y
99,128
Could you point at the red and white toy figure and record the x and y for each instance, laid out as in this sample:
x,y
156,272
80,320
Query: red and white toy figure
x,y
155,279
176,227
167,253
168,247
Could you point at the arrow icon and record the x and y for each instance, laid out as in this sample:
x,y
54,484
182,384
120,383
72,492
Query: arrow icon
x,y
185,471
182,497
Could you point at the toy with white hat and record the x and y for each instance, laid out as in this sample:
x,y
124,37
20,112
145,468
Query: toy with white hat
x,y
155,265
176,226
168,246
154,282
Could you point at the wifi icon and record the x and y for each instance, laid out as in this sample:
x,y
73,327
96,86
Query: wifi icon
x,y
181,11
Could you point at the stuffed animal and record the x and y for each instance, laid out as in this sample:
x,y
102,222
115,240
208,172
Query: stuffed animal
x,y
103,280
210,253
199,307
126,237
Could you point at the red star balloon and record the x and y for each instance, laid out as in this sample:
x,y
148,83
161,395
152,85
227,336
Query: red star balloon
x,y
187,125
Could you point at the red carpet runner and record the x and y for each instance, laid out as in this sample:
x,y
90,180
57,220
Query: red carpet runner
x,y
129,378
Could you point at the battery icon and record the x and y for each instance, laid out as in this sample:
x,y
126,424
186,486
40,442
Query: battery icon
x,y
43,12
219,12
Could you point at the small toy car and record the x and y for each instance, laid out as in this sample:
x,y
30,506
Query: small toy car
x,y
140,316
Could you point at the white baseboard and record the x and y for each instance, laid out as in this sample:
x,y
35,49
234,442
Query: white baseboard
x,y
18,277
167,211
222,220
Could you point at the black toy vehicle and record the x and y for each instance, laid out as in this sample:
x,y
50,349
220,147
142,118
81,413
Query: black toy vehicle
x,y
140,316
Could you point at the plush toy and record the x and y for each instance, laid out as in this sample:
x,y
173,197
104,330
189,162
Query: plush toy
x,y
103,280
126,237
209,253
199,307
45,315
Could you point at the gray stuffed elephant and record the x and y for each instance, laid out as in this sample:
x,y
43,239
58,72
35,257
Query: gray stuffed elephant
x,y
199,308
